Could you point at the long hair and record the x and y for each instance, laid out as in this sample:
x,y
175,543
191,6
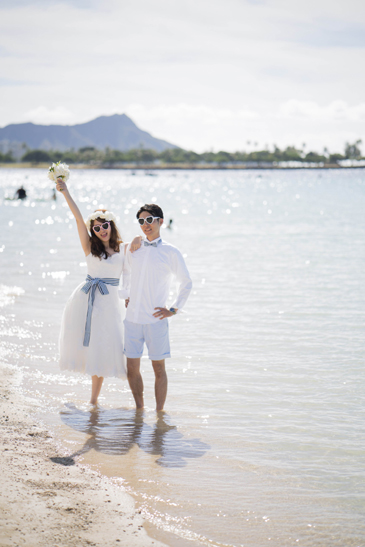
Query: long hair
x,y
97,246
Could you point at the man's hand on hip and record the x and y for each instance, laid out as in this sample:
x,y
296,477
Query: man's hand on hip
x,y
162,313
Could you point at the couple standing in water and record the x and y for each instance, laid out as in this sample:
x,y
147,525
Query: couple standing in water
x,y
92,340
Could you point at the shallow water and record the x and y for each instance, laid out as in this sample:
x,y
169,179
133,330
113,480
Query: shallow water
x,y
263,438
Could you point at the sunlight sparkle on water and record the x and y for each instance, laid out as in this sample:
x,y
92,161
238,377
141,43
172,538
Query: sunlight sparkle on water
x,y
257,397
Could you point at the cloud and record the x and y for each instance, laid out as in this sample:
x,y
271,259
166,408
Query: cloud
x,y
293,109
247,114
180,114
48,116
330,33
16,4
198,74
312,111
12,82
293,122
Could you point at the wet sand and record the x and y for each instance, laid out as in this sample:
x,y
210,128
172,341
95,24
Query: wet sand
x,y
46,498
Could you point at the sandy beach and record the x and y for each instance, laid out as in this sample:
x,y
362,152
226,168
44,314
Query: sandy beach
x,y
46,498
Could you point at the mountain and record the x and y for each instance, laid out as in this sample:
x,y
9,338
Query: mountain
x,y
117,132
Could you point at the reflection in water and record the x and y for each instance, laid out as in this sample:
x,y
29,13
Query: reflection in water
x,y
116,431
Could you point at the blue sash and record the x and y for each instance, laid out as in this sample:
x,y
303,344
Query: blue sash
x,y
93,283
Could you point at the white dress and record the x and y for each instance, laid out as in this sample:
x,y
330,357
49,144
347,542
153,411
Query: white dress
x,y
104,354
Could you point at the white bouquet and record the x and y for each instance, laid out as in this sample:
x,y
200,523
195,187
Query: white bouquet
x,y
59,171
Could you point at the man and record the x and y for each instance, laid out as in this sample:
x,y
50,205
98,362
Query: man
x,y
151,269
21,193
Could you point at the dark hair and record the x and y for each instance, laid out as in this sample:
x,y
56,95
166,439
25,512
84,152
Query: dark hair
x,y
97,246
152,208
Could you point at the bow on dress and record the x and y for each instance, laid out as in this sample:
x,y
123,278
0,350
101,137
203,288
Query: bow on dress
x,y
93,283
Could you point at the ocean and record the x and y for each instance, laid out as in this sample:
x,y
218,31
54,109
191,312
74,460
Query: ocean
x,y
263,438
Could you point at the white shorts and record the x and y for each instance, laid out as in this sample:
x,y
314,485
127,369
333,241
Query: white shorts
x,y
155,335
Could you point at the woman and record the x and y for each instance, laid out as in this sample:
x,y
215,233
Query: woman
x,y
91,339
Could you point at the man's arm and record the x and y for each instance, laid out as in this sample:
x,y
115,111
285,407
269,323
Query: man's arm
x,y
180,271
183,279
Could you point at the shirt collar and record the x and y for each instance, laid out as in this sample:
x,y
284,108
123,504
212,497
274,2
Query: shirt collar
x,y
157,240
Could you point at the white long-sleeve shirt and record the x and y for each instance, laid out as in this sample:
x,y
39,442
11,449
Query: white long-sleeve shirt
x,y
148,275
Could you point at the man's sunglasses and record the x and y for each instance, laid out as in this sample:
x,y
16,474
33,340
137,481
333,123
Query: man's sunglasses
x,y
98,227
149,220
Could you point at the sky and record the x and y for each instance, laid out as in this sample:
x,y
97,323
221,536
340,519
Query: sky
x,y
201,74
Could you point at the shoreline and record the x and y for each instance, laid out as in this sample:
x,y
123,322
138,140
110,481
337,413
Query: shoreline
x,y
182,167
46,497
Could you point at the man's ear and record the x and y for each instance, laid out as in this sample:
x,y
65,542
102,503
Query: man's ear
x,y
161,221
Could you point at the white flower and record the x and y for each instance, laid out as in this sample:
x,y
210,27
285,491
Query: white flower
x,y
108,215
59,170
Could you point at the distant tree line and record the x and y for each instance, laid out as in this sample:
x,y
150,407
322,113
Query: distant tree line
x,y
92,156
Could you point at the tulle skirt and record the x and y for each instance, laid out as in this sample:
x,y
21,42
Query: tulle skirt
x,y
104,355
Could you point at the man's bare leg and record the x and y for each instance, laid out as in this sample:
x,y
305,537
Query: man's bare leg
x,y
160,383
97,382
135,380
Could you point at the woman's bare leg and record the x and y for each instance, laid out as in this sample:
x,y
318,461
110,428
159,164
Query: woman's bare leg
x,y
135,381
97,382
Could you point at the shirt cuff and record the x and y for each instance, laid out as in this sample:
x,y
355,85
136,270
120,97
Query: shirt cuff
x,y
178,309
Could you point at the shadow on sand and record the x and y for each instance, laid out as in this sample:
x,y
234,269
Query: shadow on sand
x,y
116,431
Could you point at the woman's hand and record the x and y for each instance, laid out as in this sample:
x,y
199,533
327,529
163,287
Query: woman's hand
x,y
136,243
61,185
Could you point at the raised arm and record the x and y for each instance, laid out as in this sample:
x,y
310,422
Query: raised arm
x,y
81,227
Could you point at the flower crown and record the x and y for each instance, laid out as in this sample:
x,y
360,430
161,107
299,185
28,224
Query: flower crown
x,y
108,215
